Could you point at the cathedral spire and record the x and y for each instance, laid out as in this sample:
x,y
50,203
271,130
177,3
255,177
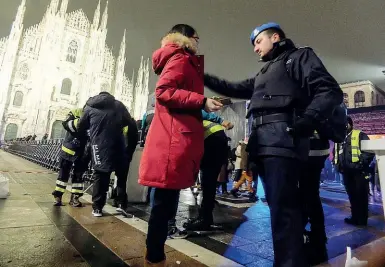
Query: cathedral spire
x,y
20,15
96,20
53,6
63,7
122,51
104,18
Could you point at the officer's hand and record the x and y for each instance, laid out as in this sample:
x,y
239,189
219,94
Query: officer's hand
x,y
303,127
212,105
228,125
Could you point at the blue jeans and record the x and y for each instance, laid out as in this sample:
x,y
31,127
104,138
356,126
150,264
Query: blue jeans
x,y
172,221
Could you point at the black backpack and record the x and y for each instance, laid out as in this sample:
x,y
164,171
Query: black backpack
x,y
333,127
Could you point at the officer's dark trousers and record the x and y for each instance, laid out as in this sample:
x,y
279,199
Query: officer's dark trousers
x,y
164,206
310,198
357,189
281,176
215,155
99,191
65,166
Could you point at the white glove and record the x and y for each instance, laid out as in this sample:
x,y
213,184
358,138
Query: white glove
x,y
353,262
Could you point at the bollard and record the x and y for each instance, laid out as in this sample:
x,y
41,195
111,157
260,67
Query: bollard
x,y
377,146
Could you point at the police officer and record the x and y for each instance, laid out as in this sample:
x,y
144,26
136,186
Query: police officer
x,y
71,154
354,165
215,155
309,185
293,91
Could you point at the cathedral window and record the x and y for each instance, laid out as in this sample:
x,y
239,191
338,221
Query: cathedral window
x,y
57,131
18,99
359,99
10,132
72,51
66,87
24,71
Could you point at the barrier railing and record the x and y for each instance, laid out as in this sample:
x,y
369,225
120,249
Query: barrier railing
x,y
44,152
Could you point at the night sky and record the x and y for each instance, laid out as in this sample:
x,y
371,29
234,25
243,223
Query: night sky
x,y
348,35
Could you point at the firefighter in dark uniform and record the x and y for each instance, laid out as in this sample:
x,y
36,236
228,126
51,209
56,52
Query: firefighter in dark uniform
x,y
215,155
71,154
291,95
354,165
313,213
104,117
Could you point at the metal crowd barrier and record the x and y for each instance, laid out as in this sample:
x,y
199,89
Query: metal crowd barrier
x,y
44,152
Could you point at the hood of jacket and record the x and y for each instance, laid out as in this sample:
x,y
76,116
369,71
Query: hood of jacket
x,y
171,44
103,100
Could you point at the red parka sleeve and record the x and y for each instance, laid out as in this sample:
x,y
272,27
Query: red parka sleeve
x,y
170,90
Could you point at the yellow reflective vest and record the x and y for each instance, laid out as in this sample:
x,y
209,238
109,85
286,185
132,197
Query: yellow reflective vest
x,y
355,146
211,127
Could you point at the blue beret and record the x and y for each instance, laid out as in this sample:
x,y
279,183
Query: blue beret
x,y
262,28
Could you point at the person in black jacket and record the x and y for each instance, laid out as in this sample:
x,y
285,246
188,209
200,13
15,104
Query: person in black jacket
x,y
104,117
354,165
290,96
131,137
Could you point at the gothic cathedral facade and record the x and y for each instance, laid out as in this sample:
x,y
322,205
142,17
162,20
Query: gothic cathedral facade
x,y
56,65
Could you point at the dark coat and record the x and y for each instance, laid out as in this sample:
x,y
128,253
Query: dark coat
x,y
105,119
315,92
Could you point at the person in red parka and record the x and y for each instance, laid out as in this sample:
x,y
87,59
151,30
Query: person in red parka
x,y
174,144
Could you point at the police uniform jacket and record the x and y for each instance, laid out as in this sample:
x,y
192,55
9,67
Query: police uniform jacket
x,y
105,117
293,84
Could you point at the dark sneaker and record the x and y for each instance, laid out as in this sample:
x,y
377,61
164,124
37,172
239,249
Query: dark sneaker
x,y
97,213
124,212
197,224
175,233
234,192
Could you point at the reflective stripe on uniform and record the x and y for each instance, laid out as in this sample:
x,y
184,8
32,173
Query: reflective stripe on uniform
x,y
211,127
318,153
77,112
355,144
59,189
125,130
68,151
76,191
76,121
58,182
78,185
70,125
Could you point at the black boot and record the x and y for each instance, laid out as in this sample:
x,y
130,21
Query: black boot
x,y
57,199
75,202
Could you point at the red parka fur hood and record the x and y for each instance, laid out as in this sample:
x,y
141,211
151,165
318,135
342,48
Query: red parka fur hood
x,y
172,44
